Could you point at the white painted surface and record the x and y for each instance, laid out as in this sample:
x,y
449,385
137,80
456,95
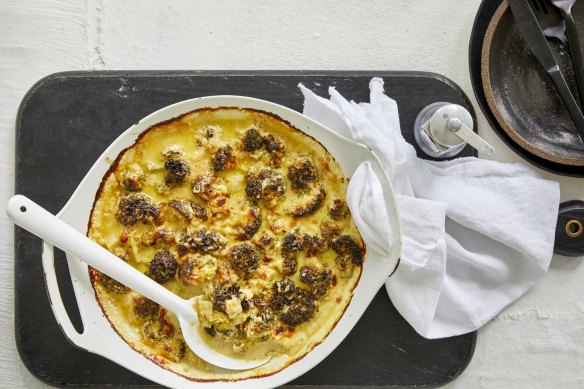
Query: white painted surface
x,y
536,342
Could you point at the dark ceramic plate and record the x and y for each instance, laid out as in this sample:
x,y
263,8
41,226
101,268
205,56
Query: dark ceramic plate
x,y
516,94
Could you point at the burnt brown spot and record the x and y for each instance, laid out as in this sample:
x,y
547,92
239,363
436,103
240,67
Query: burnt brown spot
x,y
135,207
177,171
211,331
312,205
163,267
203,186
290,263
223,292
302,173
252,140
188,208
339,209
113,285
254,222
203,240
318,281
347,245
244,257
265,185
144,307
224,159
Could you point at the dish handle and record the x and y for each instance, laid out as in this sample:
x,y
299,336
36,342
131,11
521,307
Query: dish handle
x,y
56,302
393,258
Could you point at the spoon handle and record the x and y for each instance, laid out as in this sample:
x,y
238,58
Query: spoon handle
x,y
32,217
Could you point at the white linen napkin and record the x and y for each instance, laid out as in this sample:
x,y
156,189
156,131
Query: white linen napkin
x,y
476,234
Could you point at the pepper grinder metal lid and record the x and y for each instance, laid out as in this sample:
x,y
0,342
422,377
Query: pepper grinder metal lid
x,y
442,130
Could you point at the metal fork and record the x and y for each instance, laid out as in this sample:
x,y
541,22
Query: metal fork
x,y
550,20
574,44
559,32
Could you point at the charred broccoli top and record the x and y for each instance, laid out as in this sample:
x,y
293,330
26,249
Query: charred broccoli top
x,y
223,292
188,208
144,307
163,267
203,240
339,209
245,258
318,282
224,159
347,245
310,206
302,173
178,171
267,184
252,140
113,285
294,305
253,225
273,144
293,241
136,206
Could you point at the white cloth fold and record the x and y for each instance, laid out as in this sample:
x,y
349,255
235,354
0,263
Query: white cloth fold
x,y
476,234
367,205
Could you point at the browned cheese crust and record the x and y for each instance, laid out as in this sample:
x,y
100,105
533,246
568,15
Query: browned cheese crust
x,y
244,212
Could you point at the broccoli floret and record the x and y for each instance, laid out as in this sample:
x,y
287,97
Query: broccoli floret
x,y
347,245
252,140
163,267
178,171
144,307
312,205
203,240
245,258
302,173
339,209
224,159
135,207
224,292
252,226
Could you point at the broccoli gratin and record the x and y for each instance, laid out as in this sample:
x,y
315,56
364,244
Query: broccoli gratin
x,y
242,210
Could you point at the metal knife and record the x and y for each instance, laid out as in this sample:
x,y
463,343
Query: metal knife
x,y
531,32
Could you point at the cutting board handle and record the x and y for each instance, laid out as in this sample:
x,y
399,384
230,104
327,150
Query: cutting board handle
x,y
570,229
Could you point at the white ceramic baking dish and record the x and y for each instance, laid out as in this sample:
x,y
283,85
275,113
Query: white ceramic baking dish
x,y
98,335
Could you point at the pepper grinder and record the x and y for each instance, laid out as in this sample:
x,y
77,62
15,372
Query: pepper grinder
x,y
443,129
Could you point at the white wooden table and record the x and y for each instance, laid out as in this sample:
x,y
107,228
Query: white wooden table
x,y
536,342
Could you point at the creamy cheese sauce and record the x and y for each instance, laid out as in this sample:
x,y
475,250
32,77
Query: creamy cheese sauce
x,y
273,258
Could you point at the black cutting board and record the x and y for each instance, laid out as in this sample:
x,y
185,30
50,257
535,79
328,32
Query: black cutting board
x,y
68,119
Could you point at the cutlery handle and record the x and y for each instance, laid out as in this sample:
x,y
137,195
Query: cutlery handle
x,y
32,217
576,54
568,99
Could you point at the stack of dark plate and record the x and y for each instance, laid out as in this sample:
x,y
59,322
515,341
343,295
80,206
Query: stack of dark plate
x,y
516,94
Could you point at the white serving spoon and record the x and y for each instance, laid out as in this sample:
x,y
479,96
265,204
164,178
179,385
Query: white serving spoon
x,y
32,217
